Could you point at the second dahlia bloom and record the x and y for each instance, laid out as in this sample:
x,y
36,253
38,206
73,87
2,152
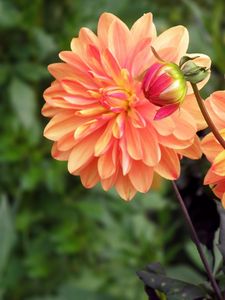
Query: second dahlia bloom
x,y
213,150
101,122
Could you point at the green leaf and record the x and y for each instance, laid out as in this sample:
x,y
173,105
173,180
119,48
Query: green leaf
x,y
155,278
23,102
31,71
10,16
7,236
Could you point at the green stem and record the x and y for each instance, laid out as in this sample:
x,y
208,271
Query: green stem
x,y
197,242
206,116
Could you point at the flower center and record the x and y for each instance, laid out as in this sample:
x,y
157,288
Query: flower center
x,y
119,97
116,99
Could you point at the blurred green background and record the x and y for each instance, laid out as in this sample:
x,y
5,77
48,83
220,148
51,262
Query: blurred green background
x,y
57,240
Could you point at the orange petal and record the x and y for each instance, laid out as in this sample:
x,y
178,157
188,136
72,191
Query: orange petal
x,y
89,175
211,147
218,165
223,200
86,36
126,160
191,106
143,28
133,140
66,142
59,155
110,181
186,127
150,146
177,36
60,125
141,176
105,140
83,152
169,165
107,163
104,23
49,111
194,151
165,126
118,41
211,177
124,187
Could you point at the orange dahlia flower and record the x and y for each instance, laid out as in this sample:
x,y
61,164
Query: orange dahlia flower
x,y
213,150
101,122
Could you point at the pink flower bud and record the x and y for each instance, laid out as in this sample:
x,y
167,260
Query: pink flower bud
x,y
164,85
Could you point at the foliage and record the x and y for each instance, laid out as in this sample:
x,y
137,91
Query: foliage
x,y
58,241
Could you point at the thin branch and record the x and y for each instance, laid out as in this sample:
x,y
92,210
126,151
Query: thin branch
x,y
197,243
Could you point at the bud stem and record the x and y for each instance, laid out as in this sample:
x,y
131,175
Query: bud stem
x,y
206,116
197,242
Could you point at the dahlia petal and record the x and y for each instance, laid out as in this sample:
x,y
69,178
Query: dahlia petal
x,y
178,36
87,37
118,41
92,111
223,200
219,122
83,152
104,141
89,175
166,111
59,155
110,181
186,127
73,60
74,87
66,143
173,142
143,28
215,105
169,165
87,128
136,118
119,125
126,161
124,187
218,165
133,141
141,176
191,106
104,23
60,125
211,147
106,165
194,151
164,126
138,55
219,189
49,111
78,48
150,146
211,177
111,65
61,71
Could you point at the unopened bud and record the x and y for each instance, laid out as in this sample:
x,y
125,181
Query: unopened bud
x,y
164,85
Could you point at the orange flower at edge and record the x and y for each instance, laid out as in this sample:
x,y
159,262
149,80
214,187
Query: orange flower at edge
x,y
215,153
102,124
